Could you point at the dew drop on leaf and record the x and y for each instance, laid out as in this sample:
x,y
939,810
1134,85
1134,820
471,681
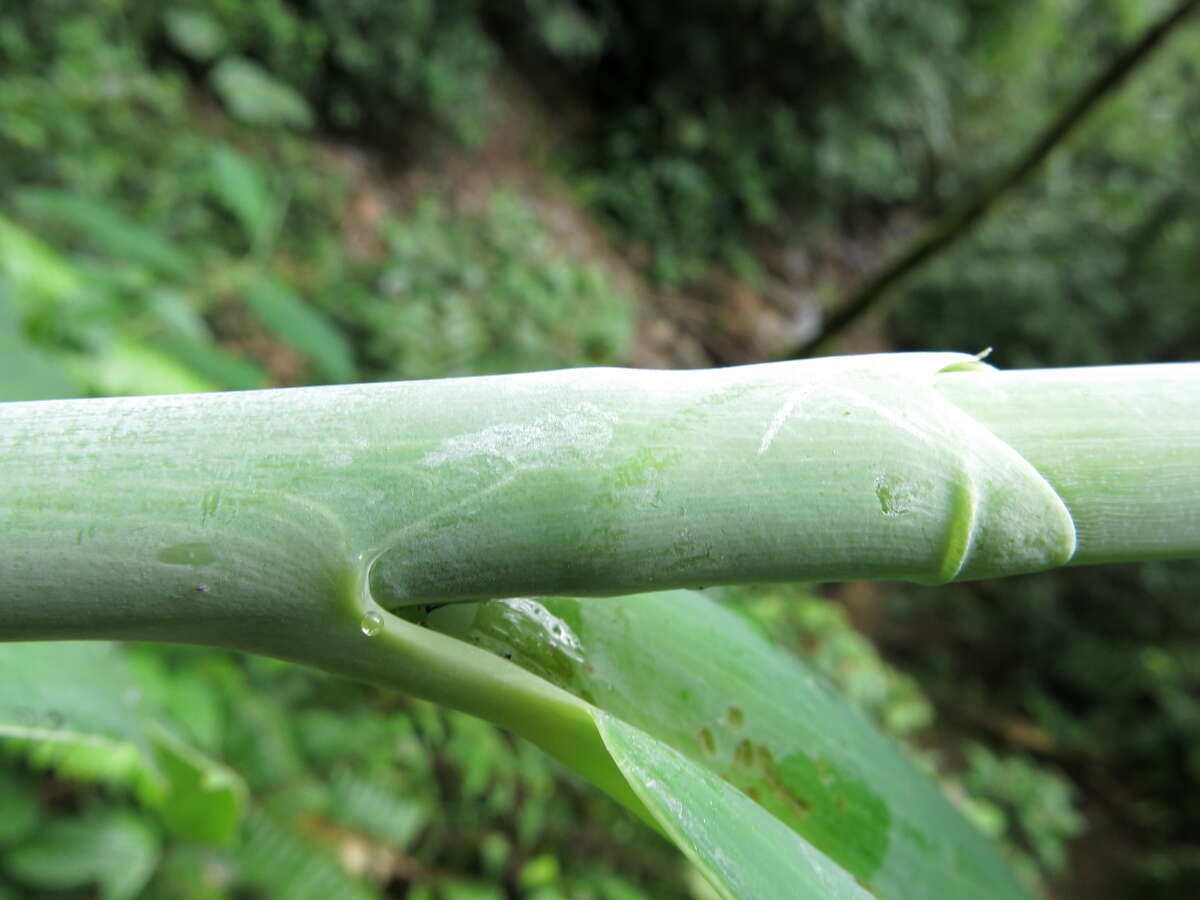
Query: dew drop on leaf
x,y
372,624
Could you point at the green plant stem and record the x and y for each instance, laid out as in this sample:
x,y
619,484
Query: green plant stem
x,y
295,523
926,467
1120,445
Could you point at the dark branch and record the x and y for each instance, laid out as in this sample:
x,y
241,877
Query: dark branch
x,y
959,221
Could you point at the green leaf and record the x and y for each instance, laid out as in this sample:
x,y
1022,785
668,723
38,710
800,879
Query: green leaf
x,y
302,326
115,849
746,853
206,799
76,709
106,229
37,272
715,690
25,372
21,811
128,367
256,97
243,189
213,364
194,33
377,809
279,862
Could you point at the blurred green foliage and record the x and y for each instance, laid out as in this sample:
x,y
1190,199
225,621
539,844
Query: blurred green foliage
x,y
488,293
325,788
1018,798
1100,670
714,123
155,250
1094,261
172,221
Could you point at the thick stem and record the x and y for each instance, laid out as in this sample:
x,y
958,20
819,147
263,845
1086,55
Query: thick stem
x,y
231,511
1120,445
204,516
289,523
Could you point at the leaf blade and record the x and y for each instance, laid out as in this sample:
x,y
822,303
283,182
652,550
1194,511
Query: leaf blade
x,y
744,851
717,691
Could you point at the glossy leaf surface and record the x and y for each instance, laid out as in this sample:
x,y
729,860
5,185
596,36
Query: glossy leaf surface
x,y
695,675
744,851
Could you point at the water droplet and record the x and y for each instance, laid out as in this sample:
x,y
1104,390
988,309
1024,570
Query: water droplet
x,y
372,624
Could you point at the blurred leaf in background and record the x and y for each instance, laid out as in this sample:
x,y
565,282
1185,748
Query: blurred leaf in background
x,y
252,95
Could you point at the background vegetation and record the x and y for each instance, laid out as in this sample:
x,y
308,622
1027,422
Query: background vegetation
x,y
228,195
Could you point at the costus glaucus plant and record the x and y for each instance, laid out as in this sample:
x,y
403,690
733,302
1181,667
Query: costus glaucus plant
x,y
487,543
